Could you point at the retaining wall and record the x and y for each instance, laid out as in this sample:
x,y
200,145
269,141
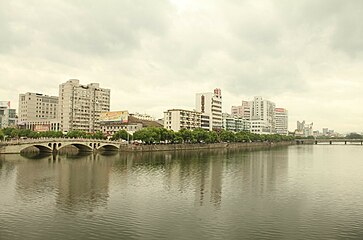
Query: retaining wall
x,y
175,147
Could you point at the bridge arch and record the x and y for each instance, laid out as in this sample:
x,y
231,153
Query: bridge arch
x,y
107,147
41,148
82,147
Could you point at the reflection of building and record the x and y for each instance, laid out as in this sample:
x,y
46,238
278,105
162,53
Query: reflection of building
x,y
38,112
81,105
208,182
262,116
281,121
177,119
7,115
210,104
84,182
235,123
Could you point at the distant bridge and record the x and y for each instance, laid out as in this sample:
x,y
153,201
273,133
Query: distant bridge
x,y
329,141
56,144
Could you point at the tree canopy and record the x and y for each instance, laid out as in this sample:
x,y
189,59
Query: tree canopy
x,y
161,135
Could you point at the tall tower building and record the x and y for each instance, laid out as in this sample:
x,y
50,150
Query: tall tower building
x,y
80,105
210,104
281,121
262,116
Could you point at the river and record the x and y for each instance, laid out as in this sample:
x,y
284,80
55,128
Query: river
x,y
295,192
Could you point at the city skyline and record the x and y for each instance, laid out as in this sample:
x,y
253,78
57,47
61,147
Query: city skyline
x,y
156,56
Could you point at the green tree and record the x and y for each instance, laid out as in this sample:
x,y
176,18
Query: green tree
x,y
2,135
187,135
354,136
227,136
76,134
122,134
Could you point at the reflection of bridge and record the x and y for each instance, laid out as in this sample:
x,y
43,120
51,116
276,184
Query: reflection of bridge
x,y
329,141
55,144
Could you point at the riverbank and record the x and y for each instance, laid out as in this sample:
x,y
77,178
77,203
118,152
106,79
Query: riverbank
x,y
200,146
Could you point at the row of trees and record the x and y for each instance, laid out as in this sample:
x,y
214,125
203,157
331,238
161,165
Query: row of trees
x,y
161,135
152,135
11,133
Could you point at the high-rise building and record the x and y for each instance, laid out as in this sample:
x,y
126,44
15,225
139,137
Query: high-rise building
x,y
81,105
281,121
7,115
262,116
38,112
243,111
177,119
210,104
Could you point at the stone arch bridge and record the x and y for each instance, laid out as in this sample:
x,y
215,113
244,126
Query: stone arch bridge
x,y
55,144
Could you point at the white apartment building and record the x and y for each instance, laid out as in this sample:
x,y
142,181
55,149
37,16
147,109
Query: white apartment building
x,y
177,119
37,107
38,112
7,115
80,106
281,121
205,121
243,110
210,104
235,123
262,116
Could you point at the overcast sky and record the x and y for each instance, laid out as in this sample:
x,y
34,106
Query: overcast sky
x,y
305,55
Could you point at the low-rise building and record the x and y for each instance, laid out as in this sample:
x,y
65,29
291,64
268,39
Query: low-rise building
x,y
177,119
235,123
259,126
41,125
142,116
112,122
110,128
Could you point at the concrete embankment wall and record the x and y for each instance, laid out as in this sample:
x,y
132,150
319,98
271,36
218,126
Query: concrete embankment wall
x,y
176,147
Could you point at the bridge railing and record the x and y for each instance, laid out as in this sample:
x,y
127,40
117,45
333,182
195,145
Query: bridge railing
x,y
38,140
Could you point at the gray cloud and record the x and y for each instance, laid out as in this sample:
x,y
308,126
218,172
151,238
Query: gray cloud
x,y
155,55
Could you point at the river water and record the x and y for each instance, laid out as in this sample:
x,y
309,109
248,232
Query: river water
x,y
296,192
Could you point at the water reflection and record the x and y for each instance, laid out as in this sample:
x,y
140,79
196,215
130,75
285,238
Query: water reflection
x,y
300,192
83,181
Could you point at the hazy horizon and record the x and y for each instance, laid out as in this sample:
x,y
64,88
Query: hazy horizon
x,y
306,56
